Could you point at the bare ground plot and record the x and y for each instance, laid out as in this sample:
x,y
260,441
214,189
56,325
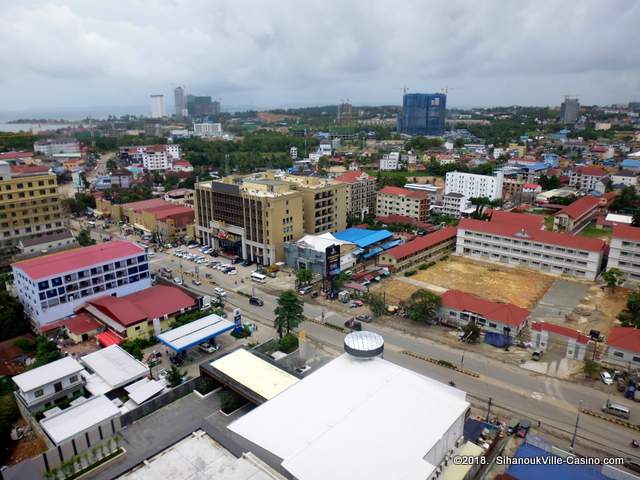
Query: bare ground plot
x,y
599,309
394,290
493,282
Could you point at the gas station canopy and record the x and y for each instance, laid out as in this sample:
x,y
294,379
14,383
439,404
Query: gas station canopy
x,y
194,333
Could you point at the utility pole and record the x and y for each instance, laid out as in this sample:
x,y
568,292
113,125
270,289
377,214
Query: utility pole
x,y
575,431
462,362
488,410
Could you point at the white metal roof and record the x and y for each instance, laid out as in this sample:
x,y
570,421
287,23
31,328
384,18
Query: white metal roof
x,y
356,419
75,420
320,243
115,366
256,374
195,332
49,373
615,217
145,391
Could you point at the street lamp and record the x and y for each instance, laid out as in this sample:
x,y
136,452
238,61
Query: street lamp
x,y
575,431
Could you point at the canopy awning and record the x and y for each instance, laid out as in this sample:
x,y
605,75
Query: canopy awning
x,y
195,333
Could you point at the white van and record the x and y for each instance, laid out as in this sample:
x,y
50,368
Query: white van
x,y
616,409
258,277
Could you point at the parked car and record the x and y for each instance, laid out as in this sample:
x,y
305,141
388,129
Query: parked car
x,y
356,304
536,355
256,301
177,281
364,318
247,263
606,377
219,292
353,324
195,281
303,369
305,290
209,348
231,271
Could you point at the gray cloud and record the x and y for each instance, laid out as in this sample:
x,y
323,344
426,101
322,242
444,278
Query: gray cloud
x,y
277,52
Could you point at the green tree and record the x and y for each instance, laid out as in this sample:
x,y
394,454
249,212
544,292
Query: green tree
x,y
627,199
614,277
423,305
630,316
590,368
84,238
376,304
46,352
471,332
174,376
339,280
289,313
111,165
12,319
304,276
9,414
636,219
549,183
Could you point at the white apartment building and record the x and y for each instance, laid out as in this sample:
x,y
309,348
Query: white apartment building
x,y
625,177
50,147
41,387
453,204
207,129
51,287
173,151
390,161
155,159
586,179
157,106
518,239
433,192
402,201
624,251
472,185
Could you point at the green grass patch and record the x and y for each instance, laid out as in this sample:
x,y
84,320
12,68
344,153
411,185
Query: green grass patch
x,y
595,232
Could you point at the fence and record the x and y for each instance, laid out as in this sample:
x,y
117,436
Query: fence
x,y
158,402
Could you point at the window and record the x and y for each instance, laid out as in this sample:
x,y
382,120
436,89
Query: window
x,y
38,393
618,354
636,359
492,325
73,379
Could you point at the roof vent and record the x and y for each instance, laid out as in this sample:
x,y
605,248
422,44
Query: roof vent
x,y
364,345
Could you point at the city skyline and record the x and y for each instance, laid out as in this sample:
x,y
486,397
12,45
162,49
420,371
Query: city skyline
x,y
74,54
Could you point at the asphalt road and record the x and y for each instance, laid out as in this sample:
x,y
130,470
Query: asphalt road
x,y
524,393
554,402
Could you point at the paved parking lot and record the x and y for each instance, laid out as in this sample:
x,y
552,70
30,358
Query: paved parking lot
x,y
560,300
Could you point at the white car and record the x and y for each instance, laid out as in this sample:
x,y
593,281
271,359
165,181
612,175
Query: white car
x,y
220,292
232,272
200,261
606,377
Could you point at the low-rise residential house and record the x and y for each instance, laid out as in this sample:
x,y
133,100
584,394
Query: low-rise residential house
x,y
586,178
310,252
143,313
518,239
47,243
577,215
180,196
459,308
121,178
41,387
182,166
549,336
78,328
402,201
624,251
623,347
429,248
627,178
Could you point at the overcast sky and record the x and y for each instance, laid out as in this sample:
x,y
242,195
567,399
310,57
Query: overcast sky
x,y
266,53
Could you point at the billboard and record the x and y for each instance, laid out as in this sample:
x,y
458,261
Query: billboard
x,y
237,320
332,261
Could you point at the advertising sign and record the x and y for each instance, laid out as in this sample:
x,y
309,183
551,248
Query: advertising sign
x,y
332,260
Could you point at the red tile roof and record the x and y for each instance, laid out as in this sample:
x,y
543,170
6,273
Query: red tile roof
x,y
405,192
522,232
626,338
182,163
422,243
153,302
12,155
143,205
77,258
626,232
580,207
505,313
591,171
353,176
24,169
109,338
78,324
560,330
526,220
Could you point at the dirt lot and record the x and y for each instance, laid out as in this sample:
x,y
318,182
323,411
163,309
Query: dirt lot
x,y
599,309
493,282
28,447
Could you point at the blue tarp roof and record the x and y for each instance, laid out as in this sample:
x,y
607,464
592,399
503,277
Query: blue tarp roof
x,y
372,253
362,237
534,472
630,163
391,244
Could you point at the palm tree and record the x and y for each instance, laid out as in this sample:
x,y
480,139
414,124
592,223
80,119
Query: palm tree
x,y
289,313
